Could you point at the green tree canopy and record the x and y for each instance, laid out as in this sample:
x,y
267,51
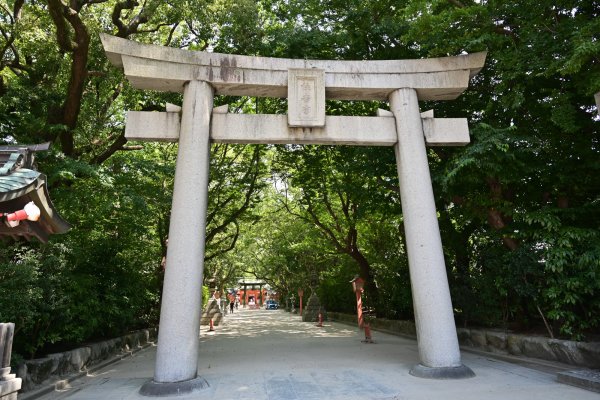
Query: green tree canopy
x,y
518,207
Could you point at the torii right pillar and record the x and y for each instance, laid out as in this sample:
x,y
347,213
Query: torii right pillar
x,y
436,331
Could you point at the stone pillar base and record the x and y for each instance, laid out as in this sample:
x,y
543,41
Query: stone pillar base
x,y
460,372
9,388
158,389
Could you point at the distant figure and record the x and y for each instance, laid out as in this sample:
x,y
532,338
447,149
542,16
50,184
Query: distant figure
x,y
231,304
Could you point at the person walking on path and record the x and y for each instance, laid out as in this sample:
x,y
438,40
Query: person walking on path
x,y
231,304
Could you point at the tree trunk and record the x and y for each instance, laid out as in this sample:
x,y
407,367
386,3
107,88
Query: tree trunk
x,y
371,291
79,48
496,221
72,104
495,218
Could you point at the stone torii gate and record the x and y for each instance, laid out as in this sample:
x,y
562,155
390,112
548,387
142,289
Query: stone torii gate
x,y
306,84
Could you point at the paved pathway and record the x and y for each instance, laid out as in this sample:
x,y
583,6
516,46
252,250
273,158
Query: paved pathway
x,y
272,355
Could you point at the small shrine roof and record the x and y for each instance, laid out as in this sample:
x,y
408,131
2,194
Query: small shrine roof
x,y
13,184
20,184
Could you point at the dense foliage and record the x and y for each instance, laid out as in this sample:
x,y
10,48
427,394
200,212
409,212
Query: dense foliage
x,y
518,209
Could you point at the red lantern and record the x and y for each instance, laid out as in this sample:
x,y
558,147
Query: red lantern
x,y
30,212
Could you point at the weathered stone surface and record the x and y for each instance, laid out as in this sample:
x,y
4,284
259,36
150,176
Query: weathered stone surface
x,y
201,75
537,347
274,129
458,372
464,336
144,337
130,342
565,351
312,309
496,341
394,326
584,354
212,311
436,329
446,131
271,128
102,350
61,363
3,342
178,344
9,388
590,354
306,97
478,338
37,372
167,69
408,328
585,379
335,316
152,126
264,128
7,330
513,344
160,389
80,357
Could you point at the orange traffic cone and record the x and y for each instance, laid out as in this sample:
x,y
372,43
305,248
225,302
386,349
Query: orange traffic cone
x,y
212,328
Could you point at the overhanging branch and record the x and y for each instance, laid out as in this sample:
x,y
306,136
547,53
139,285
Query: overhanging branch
x,y
113,148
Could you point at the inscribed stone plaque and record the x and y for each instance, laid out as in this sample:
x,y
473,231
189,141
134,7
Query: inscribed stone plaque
x,y
306,97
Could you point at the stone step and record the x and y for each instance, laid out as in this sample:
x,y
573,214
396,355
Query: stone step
x,y
585,379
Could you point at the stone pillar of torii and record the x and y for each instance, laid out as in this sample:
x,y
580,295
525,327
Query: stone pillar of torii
x,y
306,84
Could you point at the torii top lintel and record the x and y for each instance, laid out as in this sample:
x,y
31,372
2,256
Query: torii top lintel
x,y
168,69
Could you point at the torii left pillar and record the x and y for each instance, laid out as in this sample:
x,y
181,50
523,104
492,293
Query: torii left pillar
x,y
178,338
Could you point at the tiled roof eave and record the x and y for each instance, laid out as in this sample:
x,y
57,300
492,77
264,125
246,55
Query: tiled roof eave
x,y
19,183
